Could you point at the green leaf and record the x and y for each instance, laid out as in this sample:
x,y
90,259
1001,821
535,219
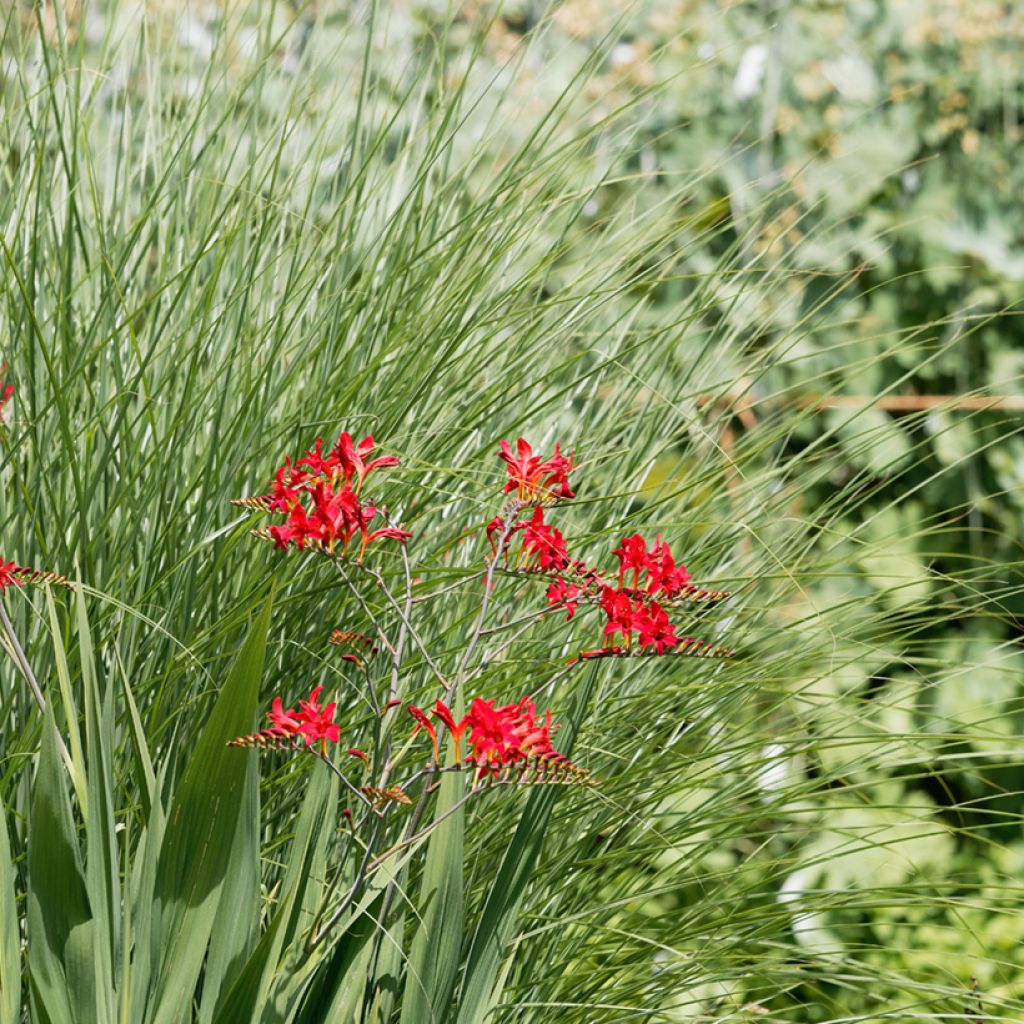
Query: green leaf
x,y
102,872
339,985
236,930
199,845
59,915
434,957
302,888
10,934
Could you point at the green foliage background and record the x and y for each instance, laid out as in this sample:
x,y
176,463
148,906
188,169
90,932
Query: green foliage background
x,y
702,243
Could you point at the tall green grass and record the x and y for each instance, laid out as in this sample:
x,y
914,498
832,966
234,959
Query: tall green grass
x,y
222,236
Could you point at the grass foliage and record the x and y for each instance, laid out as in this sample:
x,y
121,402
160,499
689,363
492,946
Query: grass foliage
x,y
217,245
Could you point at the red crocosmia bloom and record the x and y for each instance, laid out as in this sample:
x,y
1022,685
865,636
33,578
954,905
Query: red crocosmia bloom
x,y
423,722
5,392
566,594
387,533
283,719
545,541
495,527
530,475
663,574
656,630
321,506
350,459
492,735
338,516
8,575
509,735
443,712
314,460
632,554
621,614
316,722
361,754
297,530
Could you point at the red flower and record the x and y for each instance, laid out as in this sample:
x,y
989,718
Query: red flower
x,y
546,541
349,458
509,735
321,506
530,475
444,713
621,614
423,722
501,736
283,719
297,530
311,721
5,393
338,516
565,594
316,722
494,527
663,573
8,575
387,533
492,735
656,630
316,463
632,554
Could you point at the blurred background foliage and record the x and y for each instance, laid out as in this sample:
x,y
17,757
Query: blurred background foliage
x,y
859,159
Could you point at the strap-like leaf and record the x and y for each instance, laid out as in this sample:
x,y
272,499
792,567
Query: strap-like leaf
x,y
199,844
58,904
10,938
434,957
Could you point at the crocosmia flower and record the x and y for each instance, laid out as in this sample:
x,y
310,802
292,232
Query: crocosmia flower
x,y
443,712
9,575
655,629
633,556
316,722
663,574
423,722
283,719
544,543
351,459
532,476
564,594
505,741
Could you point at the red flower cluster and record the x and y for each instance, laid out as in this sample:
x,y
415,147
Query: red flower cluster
x,y
532,476
628,616
565,594
5,392
312,720
319,494
499,737
630,607
542,546
663,575
9,575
